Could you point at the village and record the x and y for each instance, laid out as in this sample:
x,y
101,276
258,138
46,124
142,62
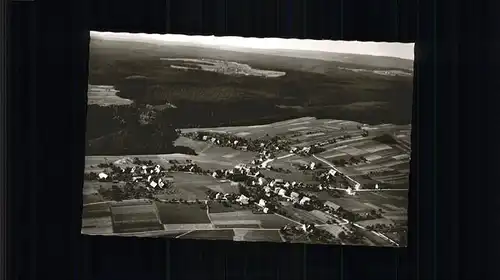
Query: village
x,y
254,202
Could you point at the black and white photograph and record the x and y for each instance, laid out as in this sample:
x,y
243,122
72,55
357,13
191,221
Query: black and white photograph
x,y
248,139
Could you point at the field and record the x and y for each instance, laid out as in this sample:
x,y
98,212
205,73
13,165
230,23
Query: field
x,y
213,157
102,225
96,219
135,217
92,198
241,218
257,235
190,186
333,229
302,215
210,235
96,210
182,213
386,200
105,96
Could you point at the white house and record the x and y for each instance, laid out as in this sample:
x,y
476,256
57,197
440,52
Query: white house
x,y
153,184
205,138
262,203
307,228
161,184
242,199
265,210
350,191
287,185
261,181
136,178
267,189
294,195
103,175
304,200
332,172
282,192
312,166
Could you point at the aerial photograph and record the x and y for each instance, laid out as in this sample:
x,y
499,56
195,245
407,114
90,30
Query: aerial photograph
x,y
248,139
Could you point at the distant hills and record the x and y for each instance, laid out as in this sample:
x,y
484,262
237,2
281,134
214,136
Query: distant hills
x,y
316,84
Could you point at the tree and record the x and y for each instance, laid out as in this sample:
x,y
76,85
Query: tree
x,y
342,235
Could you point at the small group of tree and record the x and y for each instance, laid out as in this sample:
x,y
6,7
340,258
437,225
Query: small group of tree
x,y
105,165
280,170
353,238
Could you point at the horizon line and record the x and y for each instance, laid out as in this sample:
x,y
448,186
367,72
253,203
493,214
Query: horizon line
x,y
381,49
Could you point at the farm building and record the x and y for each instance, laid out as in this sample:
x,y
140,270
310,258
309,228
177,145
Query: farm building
x,y
242,199
304,200
332,205
262,203
282,192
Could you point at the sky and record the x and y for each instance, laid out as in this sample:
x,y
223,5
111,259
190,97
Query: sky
x,y
400,50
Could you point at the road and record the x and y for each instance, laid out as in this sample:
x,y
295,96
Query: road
x,y
335,168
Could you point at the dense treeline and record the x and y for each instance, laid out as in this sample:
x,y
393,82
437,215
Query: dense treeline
x,y
130,130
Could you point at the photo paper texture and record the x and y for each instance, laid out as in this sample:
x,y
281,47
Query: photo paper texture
x,y
248,139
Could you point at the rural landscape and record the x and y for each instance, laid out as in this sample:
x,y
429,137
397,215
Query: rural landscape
x,y
191,141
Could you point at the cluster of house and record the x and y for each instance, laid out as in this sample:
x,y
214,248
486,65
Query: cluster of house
x,y
352,186
281,188
235,142
263,159
190,167
308,228
150,176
